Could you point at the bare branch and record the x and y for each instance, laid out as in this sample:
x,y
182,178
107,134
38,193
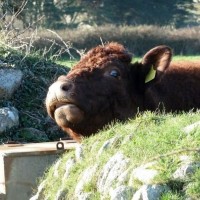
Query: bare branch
x,y
14,16
67,46
176,152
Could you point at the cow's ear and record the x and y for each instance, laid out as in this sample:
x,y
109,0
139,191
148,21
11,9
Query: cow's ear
x,y
159,58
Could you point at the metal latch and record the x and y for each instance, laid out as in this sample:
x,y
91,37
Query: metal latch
x,y
60,146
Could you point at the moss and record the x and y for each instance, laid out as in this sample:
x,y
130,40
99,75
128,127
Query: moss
x,y
154,137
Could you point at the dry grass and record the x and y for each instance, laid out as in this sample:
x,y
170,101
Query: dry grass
x,y
138,39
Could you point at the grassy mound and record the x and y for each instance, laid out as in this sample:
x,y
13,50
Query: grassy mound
x,y
38,74
149,137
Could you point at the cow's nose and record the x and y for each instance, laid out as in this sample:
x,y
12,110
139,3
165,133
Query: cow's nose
x,y
64,87
59,90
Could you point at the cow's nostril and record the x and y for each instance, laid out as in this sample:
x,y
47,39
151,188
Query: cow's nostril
x,y
65,87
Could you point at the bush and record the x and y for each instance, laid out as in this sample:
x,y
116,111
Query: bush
x,y
137,39
38,74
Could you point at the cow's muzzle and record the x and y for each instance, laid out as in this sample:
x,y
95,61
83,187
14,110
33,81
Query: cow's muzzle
x,y
61,105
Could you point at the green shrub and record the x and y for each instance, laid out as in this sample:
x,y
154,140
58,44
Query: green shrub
x,y
38,74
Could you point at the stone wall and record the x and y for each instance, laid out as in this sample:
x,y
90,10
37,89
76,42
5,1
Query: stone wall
x,y
117,178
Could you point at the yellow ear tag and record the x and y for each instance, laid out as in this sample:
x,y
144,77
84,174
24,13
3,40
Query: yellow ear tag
x,y
151,75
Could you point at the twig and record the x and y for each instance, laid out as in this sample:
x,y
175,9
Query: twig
x,y
174,153
21,8
101,41
66,45
31,116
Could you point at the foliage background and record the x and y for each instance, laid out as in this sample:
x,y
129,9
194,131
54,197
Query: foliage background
x,y
59,14
138,24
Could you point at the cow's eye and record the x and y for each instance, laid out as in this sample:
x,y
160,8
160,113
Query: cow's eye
x,y
114,73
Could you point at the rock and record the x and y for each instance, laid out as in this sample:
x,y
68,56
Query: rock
x,y
69,165
122,193
56,166
128,138
107,144
184,170
104,147
87,176
10,79
94,146
85,196
79,152
116,165
191,128
150,192
61,194
144,174
185,159
40,189
8,118
124,177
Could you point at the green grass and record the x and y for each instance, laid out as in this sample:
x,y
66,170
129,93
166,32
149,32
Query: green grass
x,y
154,137
192,58
71,63
193,188
67,63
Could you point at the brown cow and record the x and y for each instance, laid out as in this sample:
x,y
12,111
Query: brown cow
x,y
105,86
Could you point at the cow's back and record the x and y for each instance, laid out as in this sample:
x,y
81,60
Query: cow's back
x,y
178,88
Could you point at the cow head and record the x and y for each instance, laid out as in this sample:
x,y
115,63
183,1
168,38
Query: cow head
x,y
104,86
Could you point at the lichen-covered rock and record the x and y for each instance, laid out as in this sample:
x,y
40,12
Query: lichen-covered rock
x,y
124,177
10,79
8,118
87,176
128,138
150,192
68,167
79,152
116,165
61,194
144,173
185,170
107,144
40,189
85,196
188,129
122,193
56,166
